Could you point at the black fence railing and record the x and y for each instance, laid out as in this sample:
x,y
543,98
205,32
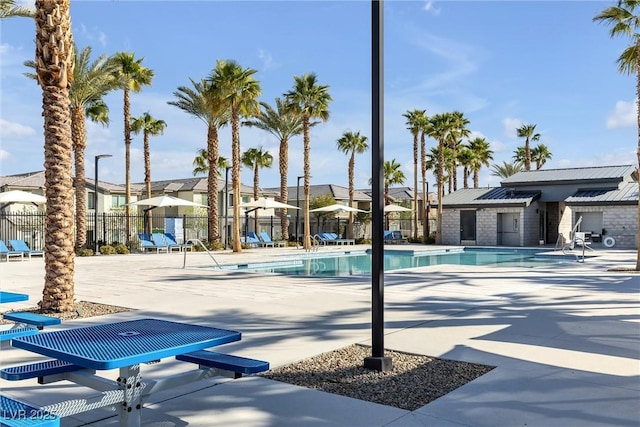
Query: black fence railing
x,y
111,227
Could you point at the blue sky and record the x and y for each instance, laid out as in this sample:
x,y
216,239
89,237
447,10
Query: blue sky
x,y
502,63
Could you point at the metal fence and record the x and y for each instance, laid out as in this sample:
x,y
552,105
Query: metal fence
x,y
111,227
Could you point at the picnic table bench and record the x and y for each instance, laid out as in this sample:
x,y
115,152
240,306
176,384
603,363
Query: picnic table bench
x,y
79,352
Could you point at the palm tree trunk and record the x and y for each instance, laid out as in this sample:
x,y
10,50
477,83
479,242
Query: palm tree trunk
x,y
415,187
440,191
147,176
79,138
284,191
307,182
352,165
235,177
54,59
127,164
256,185
213,229
527,155
638,151
425,201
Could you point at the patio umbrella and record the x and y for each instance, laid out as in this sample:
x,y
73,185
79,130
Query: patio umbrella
x,y
396,208
162,202
263,203
337,208
19,196
165,201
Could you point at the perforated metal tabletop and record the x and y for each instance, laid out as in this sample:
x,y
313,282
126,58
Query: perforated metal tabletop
x,y
12,297
121,344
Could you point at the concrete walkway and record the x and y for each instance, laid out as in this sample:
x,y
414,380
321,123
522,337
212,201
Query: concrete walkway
x,y
565,340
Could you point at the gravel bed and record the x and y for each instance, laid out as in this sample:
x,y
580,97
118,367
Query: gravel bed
x,y
414,380
83,309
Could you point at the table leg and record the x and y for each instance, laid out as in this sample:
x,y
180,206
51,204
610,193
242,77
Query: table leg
x,y
130,382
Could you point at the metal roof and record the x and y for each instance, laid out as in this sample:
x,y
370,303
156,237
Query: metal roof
x,y
497,196
571,175
627,193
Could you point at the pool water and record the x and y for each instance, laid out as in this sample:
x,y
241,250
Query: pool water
x,y
360,263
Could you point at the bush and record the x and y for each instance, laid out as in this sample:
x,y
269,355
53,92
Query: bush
x,y
85,252
216,246
107,250
121,248
363,241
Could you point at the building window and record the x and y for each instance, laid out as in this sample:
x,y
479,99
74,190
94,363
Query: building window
x,y
91,200
117,200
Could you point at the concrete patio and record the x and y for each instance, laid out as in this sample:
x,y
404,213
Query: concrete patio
x,y
565,340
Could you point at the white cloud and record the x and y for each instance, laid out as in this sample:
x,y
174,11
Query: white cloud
x,y
510,126
623,116
13,130
429,6
4,155
267,60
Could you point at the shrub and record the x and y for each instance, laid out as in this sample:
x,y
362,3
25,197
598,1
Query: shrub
x,y
107,250
363,241
85,252
216,246
121,248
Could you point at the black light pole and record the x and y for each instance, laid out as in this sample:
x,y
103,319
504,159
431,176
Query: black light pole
x,y
377,360
95,202
226,207
298,206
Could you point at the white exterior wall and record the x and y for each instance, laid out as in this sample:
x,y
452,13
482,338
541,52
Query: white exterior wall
x,y
451,227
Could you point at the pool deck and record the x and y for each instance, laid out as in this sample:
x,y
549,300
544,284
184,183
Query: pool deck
x,y
565,341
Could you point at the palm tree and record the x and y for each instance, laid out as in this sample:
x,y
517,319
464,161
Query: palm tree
x,y
540,154
91,81
238,91
414,124
54,58
310,100
202,101
282,123
459,131
625,23
149,127
201,163
131,75
440,127
481,155
393,175
256,158
528,132
506,169
424,124
352,143
9,9
465,159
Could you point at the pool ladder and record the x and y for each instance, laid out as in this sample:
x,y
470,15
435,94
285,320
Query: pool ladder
x,y
202,245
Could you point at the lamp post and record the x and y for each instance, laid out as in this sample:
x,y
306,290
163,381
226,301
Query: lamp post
x,y
226,206
95,202
298,206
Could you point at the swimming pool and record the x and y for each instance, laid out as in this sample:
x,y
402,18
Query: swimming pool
x,y
359,263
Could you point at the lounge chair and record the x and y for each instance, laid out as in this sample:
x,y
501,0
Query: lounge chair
x,y
254,240
266,239
160,240
173,242
393,236
333,238
8,254
148,245
21,246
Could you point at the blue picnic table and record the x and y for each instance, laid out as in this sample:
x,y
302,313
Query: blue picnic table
x,y
6,297
124,346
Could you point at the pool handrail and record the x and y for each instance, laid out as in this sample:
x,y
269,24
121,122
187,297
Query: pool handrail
x,y
195,242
